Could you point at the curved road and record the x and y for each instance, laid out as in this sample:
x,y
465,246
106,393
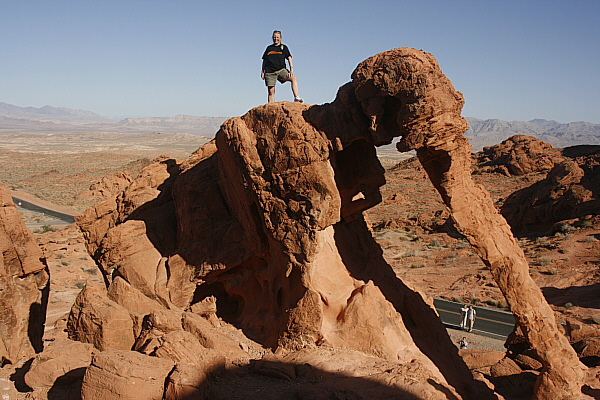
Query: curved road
x,y
489,322
33,207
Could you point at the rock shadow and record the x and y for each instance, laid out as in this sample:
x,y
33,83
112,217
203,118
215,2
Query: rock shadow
x,y
366,262
68,386
275,380
37,318
159,214
581,296
18,377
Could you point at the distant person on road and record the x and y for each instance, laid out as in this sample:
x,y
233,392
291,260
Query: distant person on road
x,y
274,68
471,315
463,344
463,317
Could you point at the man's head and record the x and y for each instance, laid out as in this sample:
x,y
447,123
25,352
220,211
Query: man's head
x,y
276,38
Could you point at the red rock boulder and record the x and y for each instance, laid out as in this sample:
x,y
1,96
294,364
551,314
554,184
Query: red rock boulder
x,y
24,286
518,155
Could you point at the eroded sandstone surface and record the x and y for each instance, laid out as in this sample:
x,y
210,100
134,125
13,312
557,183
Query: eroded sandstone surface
x,y
570,190
253,258
519,155
23,286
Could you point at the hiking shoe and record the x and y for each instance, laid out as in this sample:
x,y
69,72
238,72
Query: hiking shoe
x,y
298,100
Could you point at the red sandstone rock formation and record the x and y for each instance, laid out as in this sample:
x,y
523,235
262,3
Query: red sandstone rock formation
x,y
23,286
63,361
107,187
519,155
268,220
428,118
571,190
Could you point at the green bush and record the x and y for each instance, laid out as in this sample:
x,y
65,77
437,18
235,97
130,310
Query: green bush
x,y
91,271
44,229
409,253
543,262
435,243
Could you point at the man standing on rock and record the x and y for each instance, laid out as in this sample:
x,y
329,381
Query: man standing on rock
x,y
274,68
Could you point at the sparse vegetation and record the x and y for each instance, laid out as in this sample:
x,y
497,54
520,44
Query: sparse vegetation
x,y
502,304
44,229
551,271
542,261
421,265
409,253
561,235
566,227
491,303
461,244
91,271
435,243
64,263
474,300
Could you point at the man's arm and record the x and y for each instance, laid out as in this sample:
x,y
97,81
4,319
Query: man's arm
x,y
289,59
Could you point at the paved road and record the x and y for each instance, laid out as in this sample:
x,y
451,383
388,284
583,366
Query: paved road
x,y
32,207
489,322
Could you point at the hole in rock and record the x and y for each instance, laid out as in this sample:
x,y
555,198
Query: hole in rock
x,y
227,305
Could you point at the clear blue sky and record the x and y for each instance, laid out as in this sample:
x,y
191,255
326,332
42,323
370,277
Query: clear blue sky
x,y
513,60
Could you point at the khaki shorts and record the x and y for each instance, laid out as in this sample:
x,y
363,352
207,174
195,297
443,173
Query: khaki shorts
x,y
272,77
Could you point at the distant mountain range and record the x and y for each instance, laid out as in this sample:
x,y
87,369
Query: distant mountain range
x,y
205,126
493,131
48,112
60,119
481,132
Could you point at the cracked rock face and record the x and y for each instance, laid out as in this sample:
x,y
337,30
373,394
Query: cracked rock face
x,y
267,221
24,285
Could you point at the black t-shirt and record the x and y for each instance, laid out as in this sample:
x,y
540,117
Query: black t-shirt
x,y
274,57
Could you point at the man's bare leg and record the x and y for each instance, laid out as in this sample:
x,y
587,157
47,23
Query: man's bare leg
x,y
294,85
271,93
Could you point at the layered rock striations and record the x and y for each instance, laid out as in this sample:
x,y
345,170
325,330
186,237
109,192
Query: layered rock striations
x,y
264,228
24,286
